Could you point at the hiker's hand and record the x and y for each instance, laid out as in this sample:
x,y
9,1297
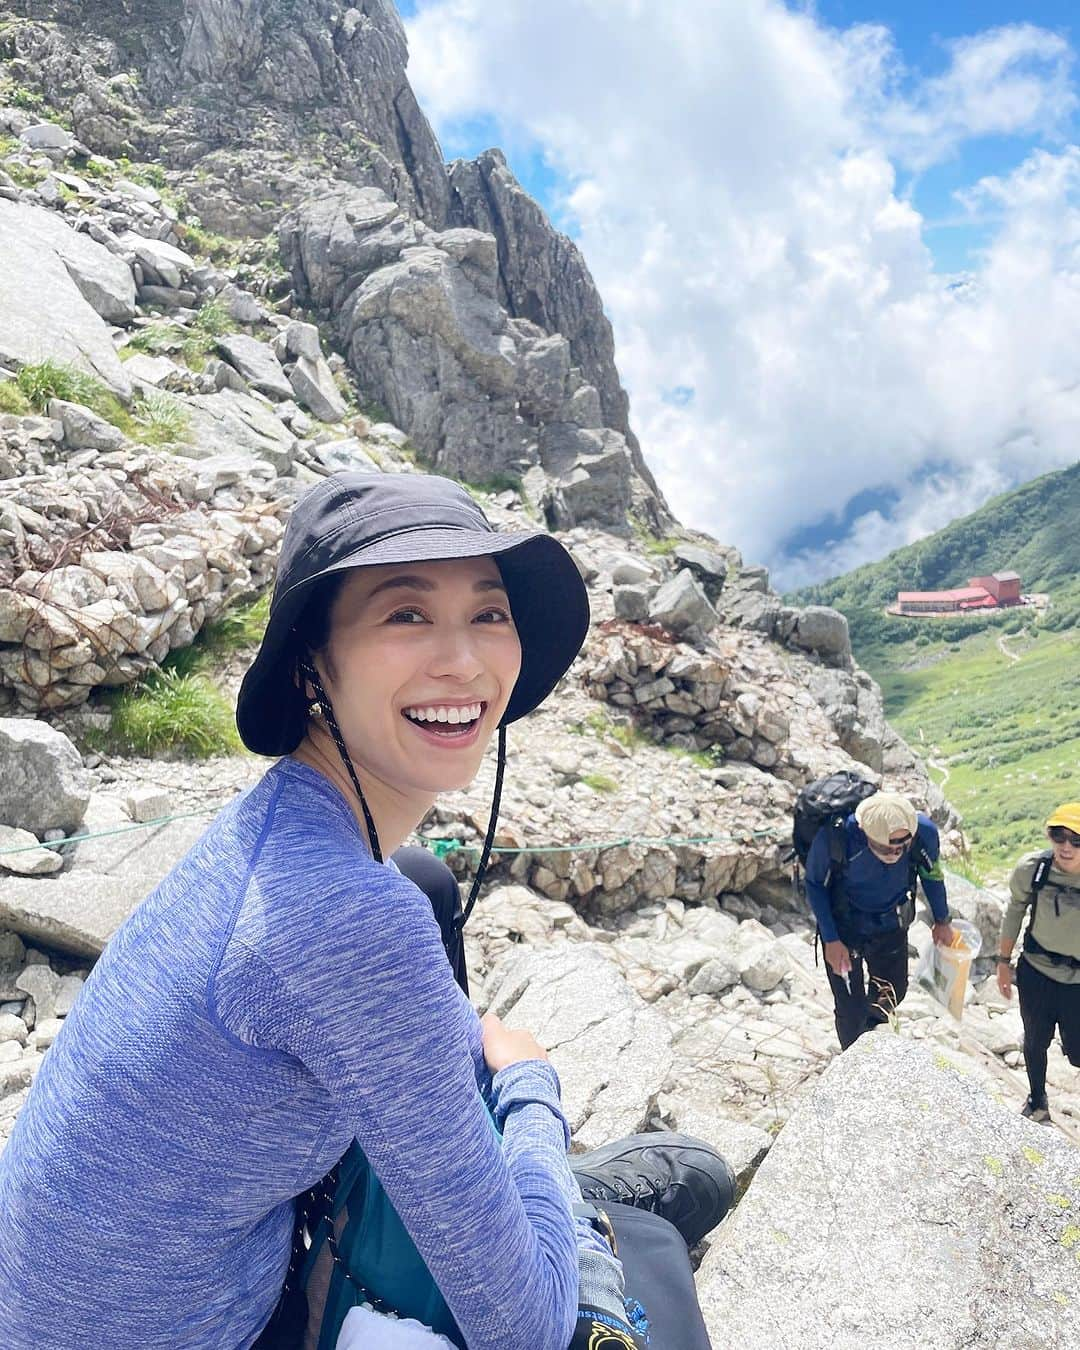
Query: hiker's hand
x,y
1005,978
944,934
838,957
503,1046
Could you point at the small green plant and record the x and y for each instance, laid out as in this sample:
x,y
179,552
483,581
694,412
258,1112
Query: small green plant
x,y
205,243
24,175
146,175
43,380
239,627
213,319
599,782
160,419
12,399
499,482
177,712
29,99
152,340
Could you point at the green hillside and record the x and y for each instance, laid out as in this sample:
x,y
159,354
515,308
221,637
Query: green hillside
x,y
1033,530
991,701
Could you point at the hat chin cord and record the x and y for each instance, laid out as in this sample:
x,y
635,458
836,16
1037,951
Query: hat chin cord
x,y
311,675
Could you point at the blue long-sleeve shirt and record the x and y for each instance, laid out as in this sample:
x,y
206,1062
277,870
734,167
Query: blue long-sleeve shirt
x,y
873,888
277,995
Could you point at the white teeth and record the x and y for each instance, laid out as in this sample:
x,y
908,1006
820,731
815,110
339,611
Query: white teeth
x,y
453,716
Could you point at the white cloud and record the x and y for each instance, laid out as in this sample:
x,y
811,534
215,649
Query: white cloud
x,y
733,187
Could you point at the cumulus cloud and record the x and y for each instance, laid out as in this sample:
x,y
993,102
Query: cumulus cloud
x,y
785,340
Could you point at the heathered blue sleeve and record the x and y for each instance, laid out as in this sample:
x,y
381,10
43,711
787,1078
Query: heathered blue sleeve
x,y
817,891
933,882
337,961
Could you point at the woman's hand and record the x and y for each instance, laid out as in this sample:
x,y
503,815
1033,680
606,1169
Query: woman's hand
x,y
503,1046
1005,978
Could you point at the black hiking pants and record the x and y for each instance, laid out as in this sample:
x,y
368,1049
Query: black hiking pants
x,y
879,982
1046,1005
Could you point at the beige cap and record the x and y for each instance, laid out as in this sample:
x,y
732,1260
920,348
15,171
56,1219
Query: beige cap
x,y
886,813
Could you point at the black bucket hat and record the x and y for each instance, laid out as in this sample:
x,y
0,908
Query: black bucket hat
x,y
363,519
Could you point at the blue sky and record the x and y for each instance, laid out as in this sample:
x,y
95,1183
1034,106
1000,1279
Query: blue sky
x,y
837,242
921,31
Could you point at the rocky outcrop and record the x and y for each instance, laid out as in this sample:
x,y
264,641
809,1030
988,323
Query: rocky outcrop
x,y
544,278
900,1203
270,75
482,395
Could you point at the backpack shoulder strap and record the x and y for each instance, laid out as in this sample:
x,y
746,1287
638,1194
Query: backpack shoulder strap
x,y
1039,877
1041,871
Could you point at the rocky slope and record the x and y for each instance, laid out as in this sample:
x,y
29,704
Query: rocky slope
x,y
233,261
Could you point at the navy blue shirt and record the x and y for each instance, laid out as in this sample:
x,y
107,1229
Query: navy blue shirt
x,y
873,888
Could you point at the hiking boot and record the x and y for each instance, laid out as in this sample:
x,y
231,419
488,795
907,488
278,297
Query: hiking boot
x,y
682,1179
1038,1111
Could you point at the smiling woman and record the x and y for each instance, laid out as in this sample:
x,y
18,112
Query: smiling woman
x,y
284,993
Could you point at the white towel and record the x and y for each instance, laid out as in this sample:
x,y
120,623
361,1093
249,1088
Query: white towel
x,y
364,1329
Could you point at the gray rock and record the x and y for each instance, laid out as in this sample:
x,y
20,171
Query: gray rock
x,y
347,454
314,386
67,991
45,312
153,370
945,1195
163,264
166,297
46,136
709,566
257,363
229,421
717,975
302,339
12,1028
42,984
20,852
682,606
825,631
148,803
611,1051
45,1032
43,784
84,429
78,910
632,602
104,280
241,306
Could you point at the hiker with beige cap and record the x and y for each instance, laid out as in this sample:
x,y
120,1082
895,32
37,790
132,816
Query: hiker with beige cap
x,y
862,873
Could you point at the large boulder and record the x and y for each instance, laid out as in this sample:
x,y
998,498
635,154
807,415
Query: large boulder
x,y
105,281
825,631
43,785
612,1052
46,315
900,1205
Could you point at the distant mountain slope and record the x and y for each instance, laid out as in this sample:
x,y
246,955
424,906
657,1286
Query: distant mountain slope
x,y
1033,530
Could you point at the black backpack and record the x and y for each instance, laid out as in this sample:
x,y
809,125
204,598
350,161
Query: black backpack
x,y
827,801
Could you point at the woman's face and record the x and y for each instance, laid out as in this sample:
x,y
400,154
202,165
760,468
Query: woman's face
x,y
420,664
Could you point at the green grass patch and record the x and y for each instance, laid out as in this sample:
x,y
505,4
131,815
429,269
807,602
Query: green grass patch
x,y
13,400
152,340
172,711
1006,731
160,420
599,782
42,380
239,627
24,175
205,243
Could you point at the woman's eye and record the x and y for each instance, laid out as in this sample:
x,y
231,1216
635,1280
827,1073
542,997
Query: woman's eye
x,y
493,615
408,616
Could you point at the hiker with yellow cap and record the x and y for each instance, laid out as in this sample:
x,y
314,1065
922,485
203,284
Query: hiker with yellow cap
x,y
1045,885
862,872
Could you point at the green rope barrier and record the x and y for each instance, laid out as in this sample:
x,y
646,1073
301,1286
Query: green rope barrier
x,y
105,834
440,847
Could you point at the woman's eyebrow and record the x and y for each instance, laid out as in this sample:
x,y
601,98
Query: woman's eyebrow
x,y
410,582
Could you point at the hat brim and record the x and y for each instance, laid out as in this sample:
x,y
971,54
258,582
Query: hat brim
x,y
548,600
